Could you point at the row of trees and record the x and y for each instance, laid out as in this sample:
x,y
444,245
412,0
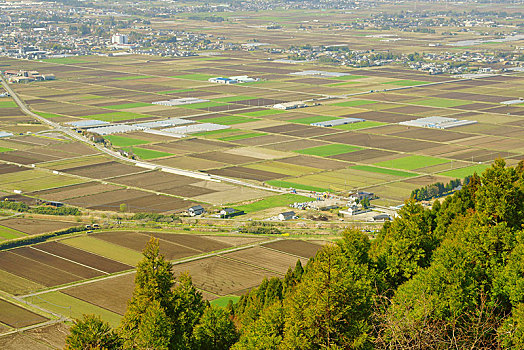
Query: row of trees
x,y
447,277
435,190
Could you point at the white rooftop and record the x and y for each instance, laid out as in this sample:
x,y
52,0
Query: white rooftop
x,y
87,123
437,122
320,73
180,101
336,122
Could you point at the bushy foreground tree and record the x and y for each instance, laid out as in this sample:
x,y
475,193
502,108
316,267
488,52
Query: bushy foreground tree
x,y
447,277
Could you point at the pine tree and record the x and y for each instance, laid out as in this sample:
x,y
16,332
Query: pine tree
x,y
215,330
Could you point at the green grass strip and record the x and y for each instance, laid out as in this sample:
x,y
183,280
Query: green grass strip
x,y
373,169
286,184
313,119
355,103
406,82
144,153
412,162
133,77
464,172
8,104
360,125
272,202
106,249
230,120
242,136
5,149
328,150
72,307
128,105
223,301
263,113
7,233
123,141
49,115
116,116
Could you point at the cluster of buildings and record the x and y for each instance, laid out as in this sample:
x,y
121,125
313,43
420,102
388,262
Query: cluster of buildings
x,y
233,80
23,76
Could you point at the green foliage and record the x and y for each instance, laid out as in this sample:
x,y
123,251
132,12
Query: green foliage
x,y
215,331
155,217
260,228
92,333
434,190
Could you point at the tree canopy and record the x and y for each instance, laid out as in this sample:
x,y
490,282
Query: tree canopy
x,y
450,276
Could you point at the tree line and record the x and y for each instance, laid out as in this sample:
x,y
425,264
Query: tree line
x,y
451,276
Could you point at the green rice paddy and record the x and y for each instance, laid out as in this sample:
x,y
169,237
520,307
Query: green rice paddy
x,y
412,162
263,113
115,116
272,202
144,153
464,172
406,82
128,105
382,170
123,141
242,136
328,150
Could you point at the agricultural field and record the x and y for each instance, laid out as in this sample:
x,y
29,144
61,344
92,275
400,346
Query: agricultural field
x,y
374,154
94,273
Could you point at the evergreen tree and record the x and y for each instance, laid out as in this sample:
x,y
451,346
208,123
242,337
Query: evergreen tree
x,y
215,330
92,333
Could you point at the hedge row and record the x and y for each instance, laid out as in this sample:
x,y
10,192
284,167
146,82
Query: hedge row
x,y
40,238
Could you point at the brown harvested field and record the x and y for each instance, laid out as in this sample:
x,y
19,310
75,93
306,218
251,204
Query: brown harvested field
x,y
264,140
286,128
103,170
433,134
412,109
155,180
149,203
56,262
50,337
104,198
379,116
187,191
236,240
75,191
22,157
81,256
111,294
312,131
222,276
478,155
246,173
266,258
137,241
36,226
365,156
197,242
425,180
295,247
10,168
474,106
315,162
17,317
34,270
191,163
225,158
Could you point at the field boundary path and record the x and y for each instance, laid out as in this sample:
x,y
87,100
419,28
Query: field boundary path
x,y
143,164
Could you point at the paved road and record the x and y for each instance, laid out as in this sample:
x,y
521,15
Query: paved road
x,y
74,135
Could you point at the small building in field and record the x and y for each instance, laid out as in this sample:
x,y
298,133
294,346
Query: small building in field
x,y
382,217
196,210
227,213
288,215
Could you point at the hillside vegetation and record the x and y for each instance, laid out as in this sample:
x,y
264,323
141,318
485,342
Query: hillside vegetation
x,y
447,277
